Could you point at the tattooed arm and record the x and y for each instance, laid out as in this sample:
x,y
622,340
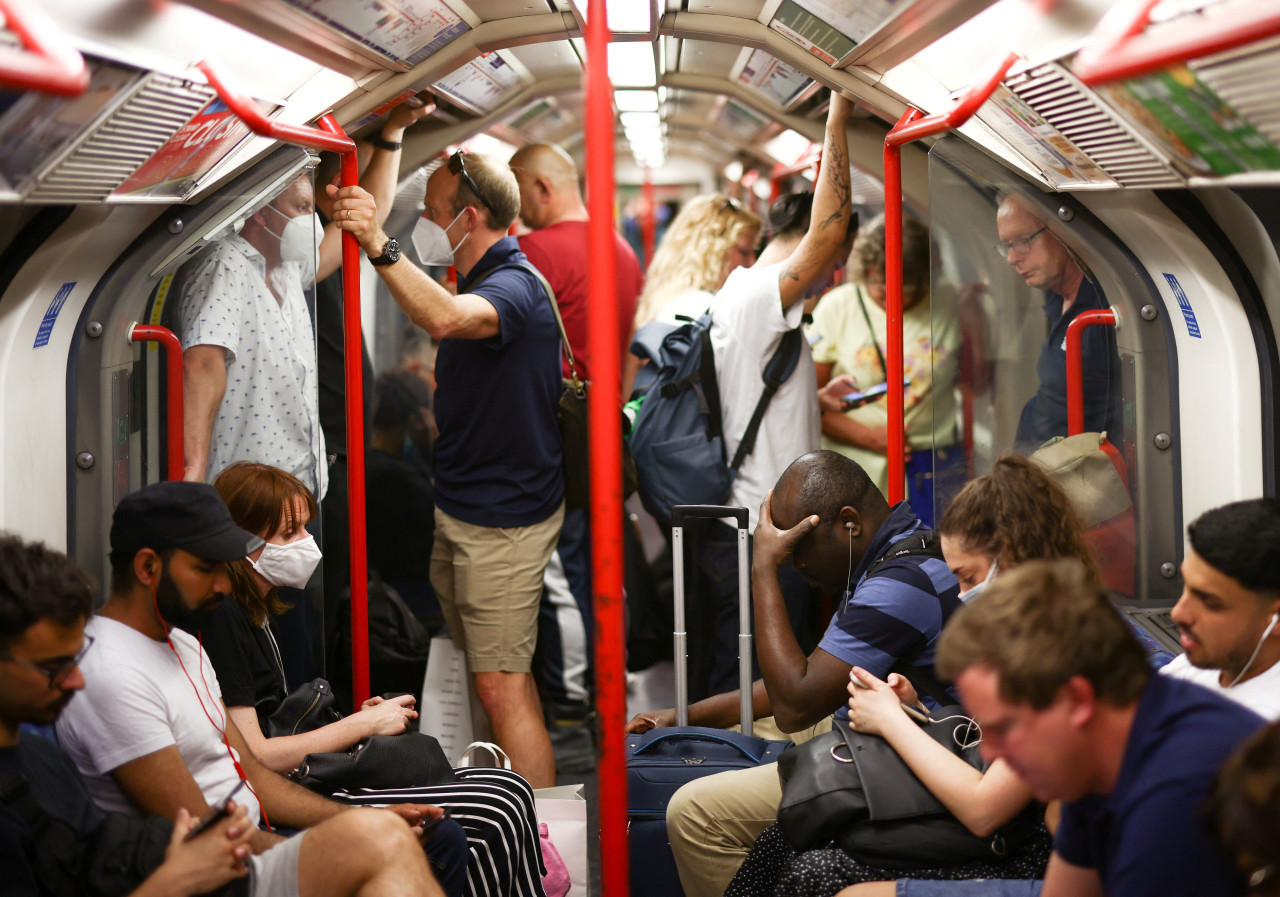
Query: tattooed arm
x,y
830,217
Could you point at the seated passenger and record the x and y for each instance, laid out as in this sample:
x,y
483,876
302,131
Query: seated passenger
x,y
1041,259
45,599
1244,807
1230,604
828,518
848,334
1064,695
150,734
494,806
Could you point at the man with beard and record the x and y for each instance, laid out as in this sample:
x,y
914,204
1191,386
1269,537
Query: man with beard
x,y
151,735
1230,605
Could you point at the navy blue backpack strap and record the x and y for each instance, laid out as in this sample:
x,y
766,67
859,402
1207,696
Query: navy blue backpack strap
x,y
780,367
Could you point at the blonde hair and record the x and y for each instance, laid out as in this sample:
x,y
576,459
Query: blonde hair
x,y
692,253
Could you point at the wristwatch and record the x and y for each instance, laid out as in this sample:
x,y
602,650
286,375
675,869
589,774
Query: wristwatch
x,y
390,253
380,143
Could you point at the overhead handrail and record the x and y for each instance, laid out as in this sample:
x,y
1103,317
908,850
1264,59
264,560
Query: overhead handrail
x,y
174,432
603,402
1075,364
46,63
245,109
1119,47
912,127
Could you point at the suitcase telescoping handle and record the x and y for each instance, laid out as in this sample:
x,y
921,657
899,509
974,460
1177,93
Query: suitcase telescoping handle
x,y
716,512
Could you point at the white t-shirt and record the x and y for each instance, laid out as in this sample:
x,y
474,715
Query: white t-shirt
x,y
270,412
136,701
747,324
1261,693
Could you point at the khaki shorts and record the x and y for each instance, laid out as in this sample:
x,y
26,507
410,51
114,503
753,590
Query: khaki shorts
x,y
489,582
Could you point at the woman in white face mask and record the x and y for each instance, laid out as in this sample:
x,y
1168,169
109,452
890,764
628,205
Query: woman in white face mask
x,y
1011,515
494,806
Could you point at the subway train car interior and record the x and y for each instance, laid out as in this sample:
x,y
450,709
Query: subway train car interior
x,y
1134,145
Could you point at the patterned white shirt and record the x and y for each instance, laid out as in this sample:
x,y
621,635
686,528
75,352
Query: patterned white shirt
x,y
270,410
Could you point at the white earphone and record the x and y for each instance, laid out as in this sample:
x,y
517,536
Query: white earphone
x,y
850,526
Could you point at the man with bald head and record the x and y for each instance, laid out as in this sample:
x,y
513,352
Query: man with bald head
x,y
1041,259
828,519
551,206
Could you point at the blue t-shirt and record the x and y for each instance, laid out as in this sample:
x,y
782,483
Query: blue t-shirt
x,y
1045,415
498,460
1147,837
896,615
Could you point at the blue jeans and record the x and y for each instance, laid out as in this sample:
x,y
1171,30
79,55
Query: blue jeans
x,y
978,887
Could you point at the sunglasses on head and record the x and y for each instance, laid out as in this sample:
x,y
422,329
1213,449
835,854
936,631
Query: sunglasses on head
x,y
459,167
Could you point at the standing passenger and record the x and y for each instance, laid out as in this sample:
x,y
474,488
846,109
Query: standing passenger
x,y
1044,262
551,204
499,484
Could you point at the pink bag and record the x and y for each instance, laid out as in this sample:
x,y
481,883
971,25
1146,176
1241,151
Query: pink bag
x,y
556,882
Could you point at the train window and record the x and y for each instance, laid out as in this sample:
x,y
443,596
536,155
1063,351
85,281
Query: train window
x,y
1007,255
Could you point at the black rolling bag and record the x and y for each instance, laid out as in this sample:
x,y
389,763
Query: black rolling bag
x,y
661,760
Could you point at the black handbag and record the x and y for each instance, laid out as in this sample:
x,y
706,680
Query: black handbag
x,y
306,709
380,761
855,790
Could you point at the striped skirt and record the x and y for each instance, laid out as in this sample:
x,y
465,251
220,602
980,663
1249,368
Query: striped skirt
x,y
495,808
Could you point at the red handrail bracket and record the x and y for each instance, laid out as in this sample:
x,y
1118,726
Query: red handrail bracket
x,y
47,64
912,127
1119,47
174,432
245,109
1075,364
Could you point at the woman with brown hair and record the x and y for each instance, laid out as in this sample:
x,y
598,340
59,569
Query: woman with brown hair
x,y
494,806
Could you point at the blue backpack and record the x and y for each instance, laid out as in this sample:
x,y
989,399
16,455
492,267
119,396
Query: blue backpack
x,y
678,436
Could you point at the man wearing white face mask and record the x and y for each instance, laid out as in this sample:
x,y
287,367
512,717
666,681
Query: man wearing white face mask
x,y
499,484
249,357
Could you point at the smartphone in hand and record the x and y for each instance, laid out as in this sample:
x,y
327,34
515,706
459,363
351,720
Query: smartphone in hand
x,y
214,816
429,827
870,394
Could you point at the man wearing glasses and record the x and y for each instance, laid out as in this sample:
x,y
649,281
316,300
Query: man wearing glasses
x,y
499,483
1045,263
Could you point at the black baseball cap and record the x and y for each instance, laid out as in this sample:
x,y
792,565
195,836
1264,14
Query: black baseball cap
x,y
190,516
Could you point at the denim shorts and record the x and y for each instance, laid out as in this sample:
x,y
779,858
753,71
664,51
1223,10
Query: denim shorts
x,y
978,887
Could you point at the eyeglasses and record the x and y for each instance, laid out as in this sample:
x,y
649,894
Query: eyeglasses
x,y
58,675
731,205
1020,246
459,167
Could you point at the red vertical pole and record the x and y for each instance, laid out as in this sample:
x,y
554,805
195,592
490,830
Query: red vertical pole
x,y
605,430
352,354
649,223
893,310
176,458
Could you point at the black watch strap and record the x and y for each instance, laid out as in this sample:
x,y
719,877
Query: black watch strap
x,y
385,144
390,253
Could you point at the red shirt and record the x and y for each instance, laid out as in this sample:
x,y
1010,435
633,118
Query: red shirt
x,y
559,251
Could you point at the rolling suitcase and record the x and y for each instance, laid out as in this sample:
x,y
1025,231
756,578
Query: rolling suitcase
x,y
661,760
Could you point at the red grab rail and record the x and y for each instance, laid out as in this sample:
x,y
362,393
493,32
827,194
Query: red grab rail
x,y
1075,364
174,432
45,64
244,108
330,136
1118,48
603,402
912,127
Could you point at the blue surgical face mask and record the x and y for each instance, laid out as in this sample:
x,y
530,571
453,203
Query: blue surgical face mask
x,y
970,594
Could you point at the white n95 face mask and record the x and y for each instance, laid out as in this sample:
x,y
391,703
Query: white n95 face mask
x,y
300,242
289,565
431,241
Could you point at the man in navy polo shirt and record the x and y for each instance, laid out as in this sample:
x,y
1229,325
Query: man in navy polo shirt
x,y
1045,263
1064,694
499,483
